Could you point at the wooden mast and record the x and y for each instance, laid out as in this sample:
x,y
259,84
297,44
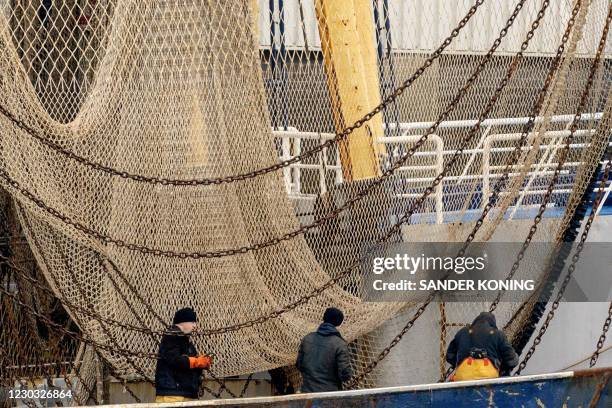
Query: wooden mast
x,y
347,39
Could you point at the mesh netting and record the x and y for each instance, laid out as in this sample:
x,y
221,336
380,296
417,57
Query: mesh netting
x,y
133,134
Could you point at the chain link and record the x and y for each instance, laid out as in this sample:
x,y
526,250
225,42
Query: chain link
x,y
353,382
349,203
516,153
421,309
77,336
67,303
246,386
602,338
112,350
259,172
537,106
303,229
73,335
595,205
570,270
222,386
405,218
132,394
76,373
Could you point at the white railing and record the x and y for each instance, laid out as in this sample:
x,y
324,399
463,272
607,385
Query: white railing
x,y
291,141
438,167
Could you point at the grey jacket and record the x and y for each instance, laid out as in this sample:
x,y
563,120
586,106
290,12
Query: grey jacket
x,y
323,360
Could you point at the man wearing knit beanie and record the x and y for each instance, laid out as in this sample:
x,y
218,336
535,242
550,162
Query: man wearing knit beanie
x,y
179,367
323,357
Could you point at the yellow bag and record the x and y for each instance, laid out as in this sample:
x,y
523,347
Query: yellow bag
x,y
475,369
171,398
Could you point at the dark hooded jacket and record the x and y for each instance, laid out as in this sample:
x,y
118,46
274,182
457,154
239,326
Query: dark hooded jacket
x,y
323,360
173,377
483,334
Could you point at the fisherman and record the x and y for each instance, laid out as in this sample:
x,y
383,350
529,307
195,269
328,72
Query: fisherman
x,y
323,358
179,367
480,351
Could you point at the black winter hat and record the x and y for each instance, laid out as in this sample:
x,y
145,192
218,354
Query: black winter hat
x,y
184,315
333,316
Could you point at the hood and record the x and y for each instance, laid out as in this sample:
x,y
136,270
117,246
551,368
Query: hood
x,y
328,329
485,318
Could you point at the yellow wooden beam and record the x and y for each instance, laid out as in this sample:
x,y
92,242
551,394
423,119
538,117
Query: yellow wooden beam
x,y
347,38
255,20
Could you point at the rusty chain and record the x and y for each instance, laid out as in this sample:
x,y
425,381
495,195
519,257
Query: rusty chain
x,y
56,364
594,402
105,330
419,312
349,203
406,216
570,271
71,305
252,174
61,329
372,365
516,153
527,128
72,334
303,229
575,258
132,394
97,345
602,338
517,150
76,373
222,386
124,352
147,305
353,382
246,386
205,388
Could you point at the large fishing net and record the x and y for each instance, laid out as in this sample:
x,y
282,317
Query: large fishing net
x,y
164,154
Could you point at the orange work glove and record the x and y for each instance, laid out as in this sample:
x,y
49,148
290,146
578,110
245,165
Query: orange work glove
x,y
200,362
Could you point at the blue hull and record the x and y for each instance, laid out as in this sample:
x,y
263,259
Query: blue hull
x,y
586,388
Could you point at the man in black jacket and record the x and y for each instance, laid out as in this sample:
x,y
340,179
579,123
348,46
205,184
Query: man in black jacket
x,y
323,358
179,367
481,350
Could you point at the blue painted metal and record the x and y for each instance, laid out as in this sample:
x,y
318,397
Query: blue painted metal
x,y
586,388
